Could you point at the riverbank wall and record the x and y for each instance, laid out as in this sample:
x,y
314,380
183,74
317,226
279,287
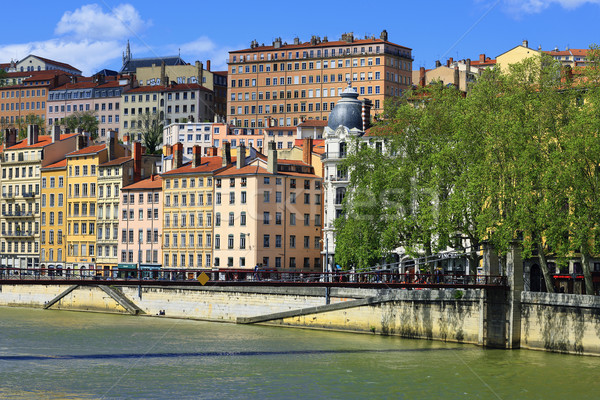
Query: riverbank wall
x,y
488,317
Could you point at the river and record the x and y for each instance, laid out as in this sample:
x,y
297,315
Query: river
x,y
75,355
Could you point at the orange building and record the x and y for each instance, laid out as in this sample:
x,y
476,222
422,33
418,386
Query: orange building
x,y
284,84
19,102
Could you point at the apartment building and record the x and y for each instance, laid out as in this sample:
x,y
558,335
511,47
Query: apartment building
x,y
141,226
189,192
22,214
171,103
122,168
268,214
54,211
284,84
25,103
100,95
192,134
82,170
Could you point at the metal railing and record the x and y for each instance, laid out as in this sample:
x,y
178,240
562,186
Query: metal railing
x,y
245,277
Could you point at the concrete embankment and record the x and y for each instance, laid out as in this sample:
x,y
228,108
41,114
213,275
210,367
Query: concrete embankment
x,y
551,322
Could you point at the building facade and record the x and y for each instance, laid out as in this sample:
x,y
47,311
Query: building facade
x,y
188,209
22,214
54,209
82,170
166,105
267,214
285,84
140,246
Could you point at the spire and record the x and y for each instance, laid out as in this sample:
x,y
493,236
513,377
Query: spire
x,y
127,56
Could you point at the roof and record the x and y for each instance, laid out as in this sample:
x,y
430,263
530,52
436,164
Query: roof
x,y
280,128
170,88
133,64
222,73
76,85
57,165
245,170
154,182
116,161
43,140
208,164
88,150
57,63
307,45
318,145
313,122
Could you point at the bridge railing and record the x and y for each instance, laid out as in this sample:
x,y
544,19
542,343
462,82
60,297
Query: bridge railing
x,y
249,276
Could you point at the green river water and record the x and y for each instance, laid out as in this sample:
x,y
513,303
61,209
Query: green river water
x,y
73,355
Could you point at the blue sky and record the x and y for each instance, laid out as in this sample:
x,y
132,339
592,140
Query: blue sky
x,y
92,35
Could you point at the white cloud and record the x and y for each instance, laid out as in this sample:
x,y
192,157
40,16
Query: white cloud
x,y
519,7
91,22
203,49
88,56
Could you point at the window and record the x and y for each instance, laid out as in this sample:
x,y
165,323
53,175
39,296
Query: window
x,y
266,218
266,196
292,218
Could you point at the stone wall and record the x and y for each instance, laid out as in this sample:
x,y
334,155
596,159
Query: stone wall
x,y
560,322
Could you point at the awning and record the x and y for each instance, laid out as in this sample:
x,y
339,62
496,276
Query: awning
x,y
128,266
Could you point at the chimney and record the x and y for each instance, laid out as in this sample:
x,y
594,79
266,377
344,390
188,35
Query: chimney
x,y
126,140
10,137
81,142
384,35
296,40
208,65
162,72
241,156
167,150
482,57
177,155
226,154
137,161
196,156
307,145
456,77
111,145
468,65
211,151
32,134
272,158
55,133
438,63
525,43
422,76
199,72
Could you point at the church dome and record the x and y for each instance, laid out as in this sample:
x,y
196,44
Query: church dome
x,y
347,112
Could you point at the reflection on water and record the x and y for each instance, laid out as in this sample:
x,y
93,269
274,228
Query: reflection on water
x,y
58,354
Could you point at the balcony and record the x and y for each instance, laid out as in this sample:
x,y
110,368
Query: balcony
x,y
28,194
334,156
18,214
9,195
17,233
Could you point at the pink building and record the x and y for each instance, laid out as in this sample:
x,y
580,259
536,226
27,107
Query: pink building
x,y
141,230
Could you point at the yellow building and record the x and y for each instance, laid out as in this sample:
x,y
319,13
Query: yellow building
x,y
54,211
82,170
188,192
516,55
22,213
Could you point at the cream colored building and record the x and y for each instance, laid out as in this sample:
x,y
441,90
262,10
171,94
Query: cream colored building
x,y
516,55
267,214
189,191
22,213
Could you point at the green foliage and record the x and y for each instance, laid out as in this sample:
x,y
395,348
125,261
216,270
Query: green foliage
x,y
85,120
518,156
151,128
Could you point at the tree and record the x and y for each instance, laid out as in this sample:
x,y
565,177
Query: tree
x,y
151,128
84,120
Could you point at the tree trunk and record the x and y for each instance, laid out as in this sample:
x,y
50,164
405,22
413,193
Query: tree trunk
x,y
587,273
544,267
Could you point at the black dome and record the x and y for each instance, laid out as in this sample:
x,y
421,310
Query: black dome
x,y
347,112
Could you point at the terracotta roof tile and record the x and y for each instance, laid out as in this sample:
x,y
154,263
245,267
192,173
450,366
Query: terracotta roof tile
x,y
88,150
307,45
61,164
154,182
313,122
43,141
116,161
208,164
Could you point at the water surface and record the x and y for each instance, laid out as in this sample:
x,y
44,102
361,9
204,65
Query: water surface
x,y
75,355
